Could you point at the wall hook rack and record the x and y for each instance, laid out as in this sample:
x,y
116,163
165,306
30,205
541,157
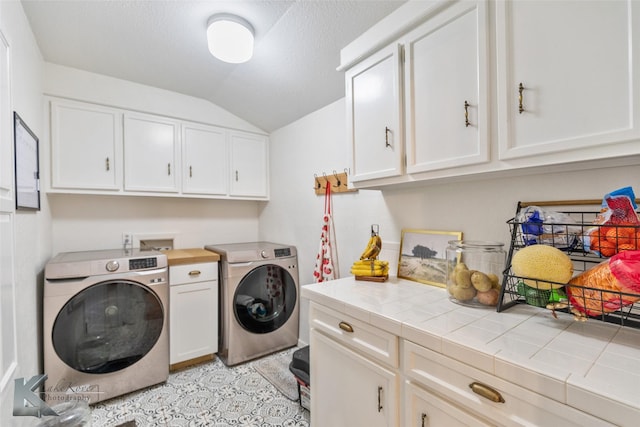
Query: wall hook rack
x,y
337,181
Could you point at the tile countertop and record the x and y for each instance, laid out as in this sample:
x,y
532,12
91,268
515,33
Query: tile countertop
x,y
593,366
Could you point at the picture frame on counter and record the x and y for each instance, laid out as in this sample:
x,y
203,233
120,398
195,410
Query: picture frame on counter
x,y
423,255
27,168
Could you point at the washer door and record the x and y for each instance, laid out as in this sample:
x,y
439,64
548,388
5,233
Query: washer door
x,y
265,299
108,326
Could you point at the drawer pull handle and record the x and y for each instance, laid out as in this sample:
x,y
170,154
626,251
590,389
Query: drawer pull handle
x,y
486,392
345,326
194,273
423,419
520,101
379,399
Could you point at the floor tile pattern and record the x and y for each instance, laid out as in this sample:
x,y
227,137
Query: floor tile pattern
x,y
210,394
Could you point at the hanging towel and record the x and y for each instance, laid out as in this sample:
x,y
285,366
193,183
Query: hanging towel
x,y
327,259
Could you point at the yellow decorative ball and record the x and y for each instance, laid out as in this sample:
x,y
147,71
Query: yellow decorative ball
x,y
542,264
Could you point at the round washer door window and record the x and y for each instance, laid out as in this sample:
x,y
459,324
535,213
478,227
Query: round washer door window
x,y
108,327
265,299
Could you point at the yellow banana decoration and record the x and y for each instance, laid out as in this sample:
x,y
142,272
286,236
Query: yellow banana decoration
x,y
369,265
373,248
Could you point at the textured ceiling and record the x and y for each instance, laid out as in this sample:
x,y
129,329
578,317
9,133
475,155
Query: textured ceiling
x,y
163,44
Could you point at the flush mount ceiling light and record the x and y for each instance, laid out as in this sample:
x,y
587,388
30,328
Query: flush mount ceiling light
x,y
230,38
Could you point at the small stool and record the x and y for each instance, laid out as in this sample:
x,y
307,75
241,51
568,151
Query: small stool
x,y
299,367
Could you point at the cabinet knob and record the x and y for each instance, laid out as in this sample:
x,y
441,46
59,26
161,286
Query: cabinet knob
x,y
486,392
345,326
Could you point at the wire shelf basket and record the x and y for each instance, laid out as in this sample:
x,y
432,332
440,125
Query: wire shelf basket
x,y
590,300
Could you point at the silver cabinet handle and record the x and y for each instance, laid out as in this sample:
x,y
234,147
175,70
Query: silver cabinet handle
x,y
194,273
386,136
466,114
423,419
190,172
108,167
379,399
168,168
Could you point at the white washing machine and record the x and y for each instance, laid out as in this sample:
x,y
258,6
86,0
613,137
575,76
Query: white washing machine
x,y
259,300
105,324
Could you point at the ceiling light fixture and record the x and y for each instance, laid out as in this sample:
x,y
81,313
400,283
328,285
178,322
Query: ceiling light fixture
x,y
230,38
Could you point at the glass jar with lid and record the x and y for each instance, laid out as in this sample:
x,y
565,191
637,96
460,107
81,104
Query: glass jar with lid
x,y
474,272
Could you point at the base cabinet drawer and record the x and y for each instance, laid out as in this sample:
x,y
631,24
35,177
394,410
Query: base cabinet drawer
x,y
425,409
485,395
375,343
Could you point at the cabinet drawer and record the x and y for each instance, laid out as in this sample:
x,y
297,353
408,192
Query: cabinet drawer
x,y
192,273
454,380
373,342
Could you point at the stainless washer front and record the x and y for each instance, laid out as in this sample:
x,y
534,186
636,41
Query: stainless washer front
x,y
105,324
259,301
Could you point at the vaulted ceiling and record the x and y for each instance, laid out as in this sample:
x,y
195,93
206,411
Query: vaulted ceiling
x,y
163,44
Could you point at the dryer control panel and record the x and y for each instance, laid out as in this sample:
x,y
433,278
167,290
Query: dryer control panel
x,y
142,263
282,252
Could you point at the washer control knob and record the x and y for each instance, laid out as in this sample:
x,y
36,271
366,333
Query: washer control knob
x,y
112,266
264,254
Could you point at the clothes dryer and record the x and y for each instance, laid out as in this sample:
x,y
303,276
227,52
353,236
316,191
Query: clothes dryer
x,y
259,301
105,324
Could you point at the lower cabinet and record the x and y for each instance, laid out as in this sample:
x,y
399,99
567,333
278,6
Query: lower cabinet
x,y
349,389
193,311
354,372
362,375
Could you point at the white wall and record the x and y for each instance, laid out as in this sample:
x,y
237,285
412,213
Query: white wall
x,y
479,207
32,229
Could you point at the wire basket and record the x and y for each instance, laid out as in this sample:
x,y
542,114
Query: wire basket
x,y
590,300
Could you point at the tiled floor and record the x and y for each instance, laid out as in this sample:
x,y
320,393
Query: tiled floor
x,y
210,394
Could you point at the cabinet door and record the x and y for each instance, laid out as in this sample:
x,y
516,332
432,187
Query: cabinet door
x,y
150,153
86,146
204,160
424,409
249,165
446,90
577,62
348,389
374,112
193,320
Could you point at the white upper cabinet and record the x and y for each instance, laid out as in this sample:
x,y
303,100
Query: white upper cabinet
x,y
577,62
445,86
102,150
86,146
204,160
249,165
374,116
151,153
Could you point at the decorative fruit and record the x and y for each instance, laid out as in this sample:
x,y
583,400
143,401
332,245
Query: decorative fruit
x,y
540,265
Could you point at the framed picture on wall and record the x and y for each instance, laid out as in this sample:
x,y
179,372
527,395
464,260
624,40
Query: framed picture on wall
x,y
27,169
423,255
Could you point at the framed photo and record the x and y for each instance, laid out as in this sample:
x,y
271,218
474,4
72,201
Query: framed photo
x,y
423,255
27,167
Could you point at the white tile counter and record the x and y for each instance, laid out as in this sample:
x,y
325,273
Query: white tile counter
x,y
592,366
